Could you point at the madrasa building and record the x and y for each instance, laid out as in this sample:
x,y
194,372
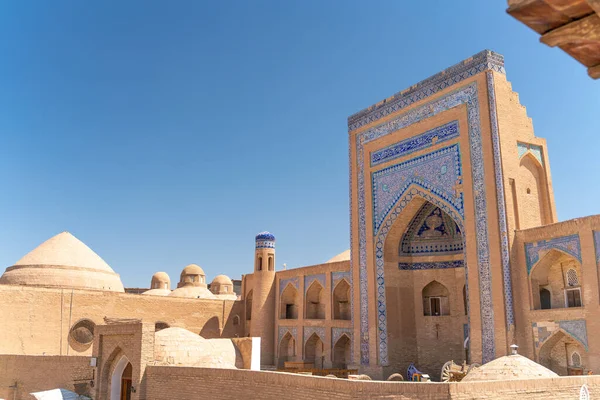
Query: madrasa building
x,y
456,254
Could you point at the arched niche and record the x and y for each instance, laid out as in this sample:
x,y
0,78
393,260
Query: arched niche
x,y
532,193
555,281
563,354
211,329
249,305
435,300
314,350
289,302
287,348
341,352
341,300
121,379
315,305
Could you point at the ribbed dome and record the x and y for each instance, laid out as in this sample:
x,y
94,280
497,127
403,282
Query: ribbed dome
x,y
509,368
343,256
265,236
66,262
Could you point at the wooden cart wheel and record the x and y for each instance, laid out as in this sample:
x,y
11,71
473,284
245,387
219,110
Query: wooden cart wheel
x,y
446,374
474,365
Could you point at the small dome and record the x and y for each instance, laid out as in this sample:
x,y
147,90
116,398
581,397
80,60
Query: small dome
x,y
265,236
160,280
193,269
509,368
222,280
344,256
63,261
192,292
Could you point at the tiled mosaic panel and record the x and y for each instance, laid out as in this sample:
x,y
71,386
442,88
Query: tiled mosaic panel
x,y
309,279
415,143
309,330
467,95
536,151
502,221
431,265
284,329
568,244
439,172
284,282
545,329
338,276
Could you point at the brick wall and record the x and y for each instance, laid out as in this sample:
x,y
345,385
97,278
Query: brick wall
x,y
38,373
166,383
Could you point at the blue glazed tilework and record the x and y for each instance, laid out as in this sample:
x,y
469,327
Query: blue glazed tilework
x,y
285,329
536,151
415,143
577,329
338,276
482,61
568,244
597,245
284,282
309,330
431,265
467,95
309,279
503,225
439,172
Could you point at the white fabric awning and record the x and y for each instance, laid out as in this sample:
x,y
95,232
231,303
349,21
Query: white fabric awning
x,y
58,394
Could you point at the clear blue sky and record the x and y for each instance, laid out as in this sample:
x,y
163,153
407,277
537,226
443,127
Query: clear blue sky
x,y
168,133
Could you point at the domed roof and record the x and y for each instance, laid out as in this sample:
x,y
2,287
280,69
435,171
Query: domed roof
x,y
222,280
193,269
265,236
157,292
193,292
178,346
161,277
66,262
509,368
343,256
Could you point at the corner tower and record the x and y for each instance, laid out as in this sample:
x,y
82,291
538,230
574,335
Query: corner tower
x,y
263,302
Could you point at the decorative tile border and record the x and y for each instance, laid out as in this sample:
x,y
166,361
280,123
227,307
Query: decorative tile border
x,y
415,143
431,265
597,245
309,279
439,172
284,282
502,220
285,329
338,276
309,330
535,150
467,95
482,61
568,244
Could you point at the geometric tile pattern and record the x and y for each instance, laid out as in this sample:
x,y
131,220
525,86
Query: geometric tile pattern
x,y
502,220
431,265
568,244
309,279
338,276
467,95
545,329
597,245
284,282
536,151
284,329
309,330
438,171
415,143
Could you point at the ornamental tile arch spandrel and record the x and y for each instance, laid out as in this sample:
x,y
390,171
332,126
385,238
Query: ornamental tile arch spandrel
x,y
467,95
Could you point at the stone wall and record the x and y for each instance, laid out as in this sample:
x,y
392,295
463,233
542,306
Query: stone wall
x,y
166,383
37,373
37,321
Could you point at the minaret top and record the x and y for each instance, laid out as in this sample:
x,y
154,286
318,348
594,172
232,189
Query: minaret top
x,y
265,240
